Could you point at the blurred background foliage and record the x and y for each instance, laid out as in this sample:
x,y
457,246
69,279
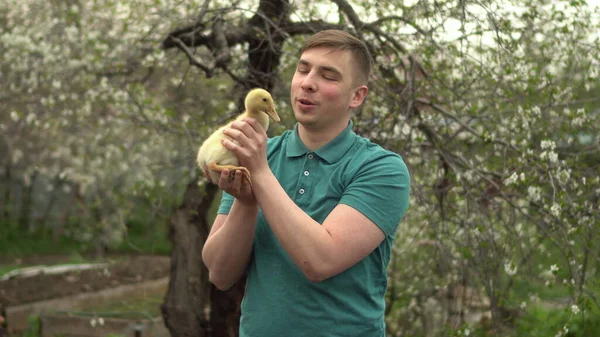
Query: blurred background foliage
x,y
494,106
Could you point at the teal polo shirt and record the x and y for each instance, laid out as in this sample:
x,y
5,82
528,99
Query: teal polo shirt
x,y
279,300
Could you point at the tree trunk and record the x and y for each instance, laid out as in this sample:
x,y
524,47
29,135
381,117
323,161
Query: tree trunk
x,y
188,295
225,310
186,299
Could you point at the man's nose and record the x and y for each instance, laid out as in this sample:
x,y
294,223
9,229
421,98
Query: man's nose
x,y
308,83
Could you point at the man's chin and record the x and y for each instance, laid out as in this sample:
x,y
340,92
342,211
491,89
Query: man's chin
x,y
305,119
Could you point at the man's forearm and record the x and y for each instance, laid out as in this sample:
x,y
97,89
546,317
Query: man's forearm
x,y
226,253
309,245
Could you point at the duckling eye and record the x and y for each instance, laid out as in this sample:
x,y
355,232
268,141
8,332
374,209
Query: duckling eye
x,y
264,99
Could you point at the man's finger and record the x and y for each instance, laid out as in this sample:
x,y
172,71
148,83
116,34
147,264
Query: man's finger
x,y
248,126
238,178
258,128
236,134
223,179
229,145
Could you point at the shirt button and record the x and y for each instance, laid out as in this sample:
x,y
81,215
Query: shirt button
x,y
306,173
301,191
310,156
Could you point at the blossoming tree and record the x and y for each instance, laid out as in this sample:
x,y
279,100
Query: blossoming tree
x,y
493,105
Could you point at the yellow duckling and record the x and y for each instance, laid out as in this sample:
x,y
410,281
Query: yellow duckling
x,y
214,156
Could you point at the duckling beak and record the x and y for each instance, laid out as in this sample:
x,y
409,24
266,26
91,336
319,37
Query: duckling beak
x,y
271,112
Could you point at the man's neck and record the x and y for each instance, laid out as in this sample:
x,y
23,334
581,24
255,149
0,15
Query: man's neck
x,y
314,139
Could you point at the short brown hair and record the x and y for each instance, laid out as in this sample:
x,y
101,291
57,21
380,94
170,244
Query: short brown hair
x,y
341,40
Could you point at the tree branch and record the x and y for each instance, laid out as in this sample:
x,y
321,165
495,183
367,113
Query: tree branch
x,y
222,54
193,60
347,9
380,21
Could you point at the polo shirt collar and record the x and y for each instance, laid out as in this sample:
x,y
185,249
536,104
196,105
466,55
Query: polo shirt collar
x,y
330,152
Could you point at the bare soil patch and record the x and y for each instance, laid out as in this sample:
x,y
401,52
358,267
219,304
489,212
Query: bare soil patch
x,y
123,270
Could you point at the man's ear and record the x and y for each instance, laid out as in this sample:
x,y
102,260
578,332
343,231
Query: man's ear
x,y
359,96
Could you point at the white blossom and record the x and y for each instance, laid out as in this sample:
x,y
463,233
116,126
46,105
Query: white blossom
x,y
548,144
14,116
564,176
578,121
30,118
555,210
512,179
534,193
510,268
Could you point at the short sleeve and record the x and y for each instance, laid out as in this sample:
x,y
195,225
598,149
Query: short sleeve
x,y
380,190
226,203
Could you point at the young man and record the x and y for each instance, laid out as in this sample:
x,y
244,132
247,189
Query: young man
x,y
315,230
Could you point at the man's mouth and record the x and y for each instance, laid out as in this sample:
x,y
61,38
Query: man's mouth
x,y
304,101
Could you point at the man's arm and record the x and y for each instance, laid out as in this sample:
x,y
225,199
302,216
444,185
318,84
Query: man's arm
x,y
320,251
228,248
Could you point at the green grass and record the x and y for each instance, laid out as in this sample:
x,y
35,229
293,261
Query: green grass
x,y
522,288
145,243
139,239
9,267
17,244
542,322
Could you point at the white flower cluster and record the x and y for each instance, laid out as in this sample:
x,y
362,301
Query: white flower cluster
x,y
564,175
550,274
549,146
563,332
510,268
514,178
555,210
534,193
580,118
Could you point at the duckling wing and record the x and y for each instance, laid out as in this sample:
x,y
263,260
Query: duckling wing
x,y
213,151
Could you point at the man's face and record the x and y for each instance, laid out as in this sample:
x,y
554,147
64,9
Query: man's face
x,y
324,88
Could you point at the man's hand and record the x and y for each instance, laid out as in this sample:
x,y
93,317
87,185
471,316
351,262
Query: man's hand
x,y
252,148
232,183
